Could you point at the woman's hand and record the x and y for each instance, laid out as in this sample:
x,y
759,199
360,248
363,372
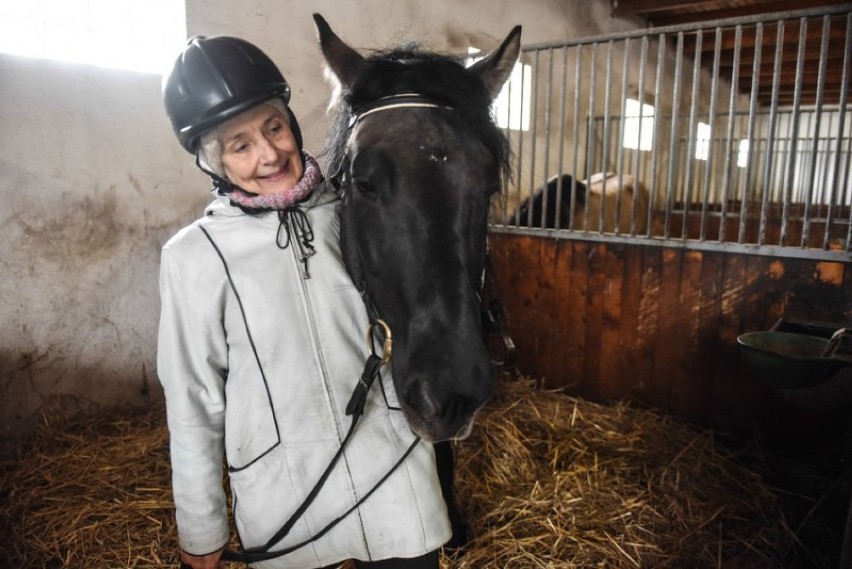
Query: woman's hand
x,y
209,561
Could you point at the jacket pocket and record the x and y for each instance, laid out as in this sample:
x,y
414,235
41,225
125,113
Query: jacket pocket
x,y
250,432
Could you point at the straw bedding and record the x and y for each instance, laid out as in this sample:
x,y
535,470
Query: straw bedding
x,y
547,480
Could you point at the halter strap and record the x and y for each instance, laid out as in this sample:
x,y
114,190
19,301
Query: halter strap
x,y
400,101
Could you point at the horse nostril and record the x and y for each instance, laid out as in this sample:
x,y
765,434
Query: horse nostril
x,y
420,398
450,408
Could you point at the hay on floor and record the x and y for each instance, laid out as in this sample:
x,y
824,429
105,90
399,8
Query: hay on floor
x,y
556,481
90,492
547,480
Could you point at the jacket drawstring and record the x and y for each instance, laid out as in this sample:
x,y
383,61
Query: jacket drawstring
x,y
294,223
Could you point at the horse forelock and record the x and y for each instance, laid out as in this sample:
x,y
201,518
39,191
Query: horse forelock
x,y
408,69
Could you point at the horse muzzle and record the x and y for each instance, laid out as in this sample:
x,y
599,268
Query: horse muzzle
x,y
441,400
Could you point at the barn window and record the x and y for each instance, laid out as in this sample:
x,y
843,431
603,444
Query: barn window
x,y
638,126
511,108
139,35
702,141
742,153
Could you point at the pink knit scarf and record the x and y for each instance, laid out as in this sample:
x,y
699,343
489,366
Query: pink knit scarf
x,y
281,200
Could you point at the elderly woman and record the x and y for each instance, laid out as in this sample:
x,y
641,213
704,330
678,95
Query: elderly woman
x,y
261,344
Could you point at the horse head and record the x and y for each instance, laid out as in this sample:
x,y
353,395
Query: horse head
x,y
420,158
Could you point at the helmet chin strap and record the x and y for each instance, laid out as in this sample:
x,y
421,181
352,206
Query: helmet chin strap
x,y
222,185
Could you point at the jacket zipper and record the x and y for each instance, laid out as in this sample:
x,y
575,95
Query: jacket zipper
x,y
312,325
304,277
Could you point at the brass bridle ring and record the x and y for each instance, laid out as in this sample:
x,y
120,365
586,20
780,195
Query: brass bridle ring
x,y
387,345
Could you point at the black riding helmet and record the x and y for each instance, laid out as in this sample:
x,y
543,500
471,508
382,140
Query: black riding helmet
x,y
215,79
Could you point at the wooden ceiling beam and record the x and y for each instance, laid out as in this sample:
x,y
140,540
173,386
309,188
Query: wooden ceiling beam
x,y
833,66
643,7
767,56
836,38
788,64
675,12
805,101
788,81
669,18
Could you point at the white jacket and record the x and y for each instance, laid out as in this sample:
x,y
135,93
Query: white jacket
x,y
277,410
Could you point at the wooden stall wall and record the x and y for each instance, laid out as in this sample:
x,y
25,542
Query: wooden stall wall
x,y
659,325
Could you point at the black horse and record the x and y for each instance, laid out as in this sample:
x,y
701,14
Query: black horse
x,y
419,159
551,202
604,202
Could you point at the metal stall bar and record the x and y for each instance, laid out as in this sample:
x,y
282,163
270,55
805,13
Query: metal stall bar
x,y
673,143
828,162
729,140
714,91
576,151
591,125
520,152
507,181
752,116
794,134
652,191
606,133
835,187
559,170
620,141
846,183
847,172
690,151
810,181
643,61
788,160
770,143
533,132
545,163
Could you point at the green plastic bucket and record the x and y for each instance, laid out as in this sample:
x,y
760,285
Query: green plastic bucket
x,y
787,360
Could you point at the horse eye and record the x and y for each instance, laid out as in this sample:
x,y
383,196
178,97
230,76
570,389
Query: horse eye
x,y
362,185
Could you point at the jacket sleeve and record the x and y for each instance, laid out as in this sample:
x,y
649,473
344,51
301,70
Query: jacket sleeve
x,y
192,366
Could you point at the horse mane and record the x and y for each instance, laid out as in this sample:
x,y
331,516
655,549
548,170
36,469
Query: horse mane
x,y
442,78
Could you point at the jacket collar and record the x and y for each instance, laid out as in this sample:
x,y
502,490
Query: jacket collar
x,y
221,205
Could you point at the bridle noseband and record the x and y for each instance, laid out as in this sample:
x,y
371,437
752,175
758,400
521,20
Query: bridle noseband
x,y
389,102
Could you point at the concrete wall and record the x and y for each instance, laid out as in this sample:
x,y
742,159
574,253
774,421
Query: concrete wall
x,y
93,183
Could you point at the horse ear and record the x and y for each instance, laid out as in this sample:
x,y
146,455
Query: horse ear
x,y
496,67
343,61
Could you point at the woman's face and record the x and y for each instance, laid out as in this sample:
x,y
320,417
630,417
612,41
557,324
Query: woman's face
x,y
259,152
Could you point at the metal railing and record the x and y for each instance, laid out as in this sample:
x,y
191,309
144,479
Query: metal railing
x,y
735,160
